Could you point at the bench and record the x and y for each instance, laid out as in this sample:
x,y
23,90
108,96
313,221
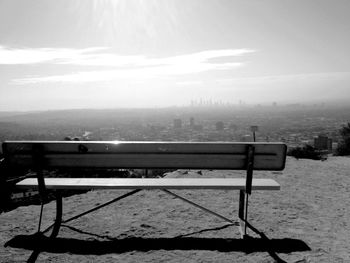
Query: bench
x,y
44,155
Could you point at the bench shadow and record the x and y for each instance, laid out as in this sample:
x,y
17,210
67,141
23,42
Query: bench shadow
x,y
96,247
41,243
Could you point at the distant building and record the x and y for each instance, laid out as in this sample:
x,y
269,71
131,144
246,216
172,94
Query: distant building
x,y
219,126
198,127
233,127
177,123
322,142
192,122
247,138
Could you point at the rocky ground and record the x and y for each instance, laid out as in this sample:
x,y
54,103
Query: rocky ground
x,y
306,221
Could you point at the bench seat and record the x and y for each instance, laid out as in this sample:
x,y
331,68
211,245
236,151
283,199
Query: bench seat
x,y
150,183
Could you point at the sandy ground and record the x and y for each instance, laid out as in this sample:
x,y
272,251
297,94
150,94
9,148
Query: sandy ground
x,y
308,220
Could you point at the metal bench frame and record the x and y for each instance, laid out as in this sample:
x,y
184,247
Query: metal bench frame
x,y
38,161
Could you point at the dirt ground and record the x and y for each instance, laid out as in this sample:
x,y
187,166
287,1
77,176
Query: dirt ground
x,y
306,221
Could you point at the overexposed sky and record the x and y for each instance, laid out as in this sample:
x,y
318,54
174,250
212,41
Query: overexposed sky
x,y
155,53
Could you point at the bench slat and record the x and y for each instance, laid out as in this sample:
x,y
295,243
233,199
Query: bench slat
x,y
149,161
150,183
147,155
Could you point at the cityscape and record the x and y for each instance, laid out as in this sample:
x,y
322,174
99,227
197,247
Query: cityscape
x,y
295,125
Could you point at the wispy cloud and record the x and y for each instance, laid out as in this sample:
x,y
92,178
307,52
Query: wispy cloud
x,y
132,74
23,56
118,66
110,59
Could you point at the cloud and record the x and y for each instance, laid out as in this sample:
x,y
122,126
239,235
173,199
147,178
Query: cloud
x,y
109,59
131,74
134,67
25,56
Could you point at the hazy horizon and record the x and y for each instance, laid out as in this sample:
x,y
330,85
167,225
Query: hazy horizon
x,y
104,54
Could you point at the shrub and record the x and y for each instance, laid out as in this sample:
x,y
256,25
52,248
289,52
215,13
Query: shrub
x,y
344,145
306,152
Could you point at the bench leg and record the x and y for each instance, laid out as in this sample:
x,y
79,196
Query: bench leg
x,y
243,213
58,220
41,215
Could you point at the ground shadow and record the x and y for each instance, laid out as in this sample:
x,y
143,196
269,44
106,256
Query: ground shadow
x,y
96,247
40,243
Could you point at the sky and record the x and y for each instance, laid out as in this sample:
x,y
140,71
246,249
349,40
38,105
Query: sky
x,y
157,53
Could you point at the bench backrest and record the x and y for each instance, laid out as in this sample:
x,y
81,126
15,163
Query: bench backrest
x,y
144,155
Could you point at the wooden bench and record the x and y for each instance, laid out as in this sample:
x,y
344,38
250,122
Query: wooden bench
x,y
42,155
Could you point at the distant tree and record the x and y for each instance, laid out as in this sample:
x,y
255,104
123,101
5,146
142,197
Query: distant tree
x,y
344,145
305,152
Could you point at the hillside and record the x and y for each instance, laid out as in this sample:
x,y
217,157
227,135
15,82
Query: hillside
x,y
307,221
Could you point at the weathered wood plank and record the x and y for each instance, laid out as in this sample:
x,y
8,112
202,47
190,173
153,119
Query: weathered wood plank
x,y
142,147
150,183
148,155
